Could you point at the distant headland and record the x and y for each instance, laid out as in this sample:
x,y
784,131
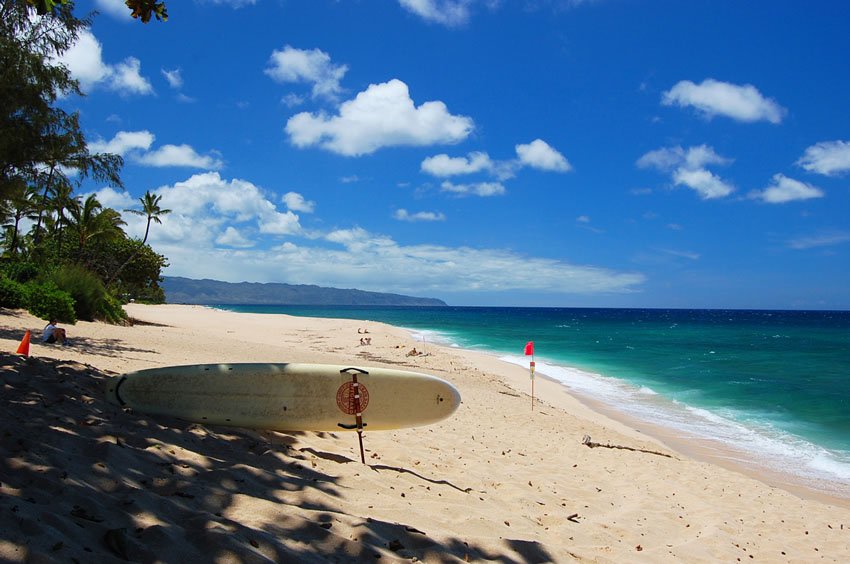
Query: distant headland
x,y
180,290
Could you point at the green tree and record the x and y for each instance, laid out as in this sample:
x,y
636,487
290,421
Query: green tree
x,y
62,200
30,85
141,268
21,204
44,156
151,209
65,149
91,223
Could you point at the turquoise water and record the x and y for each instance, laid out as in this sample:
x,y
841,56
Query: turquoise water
x,y
776,384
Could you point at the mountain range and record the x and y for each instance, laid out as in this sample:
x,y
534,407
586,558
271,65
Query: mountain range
x,y
180,290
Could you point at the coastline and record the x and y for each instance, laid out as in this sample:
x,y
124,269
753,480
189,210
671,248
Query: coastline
x,y
699,448
495,480
696,446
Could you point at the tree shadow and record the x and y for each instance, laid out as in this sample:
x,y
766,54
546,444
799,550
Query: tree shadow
x,y
83,480
110,348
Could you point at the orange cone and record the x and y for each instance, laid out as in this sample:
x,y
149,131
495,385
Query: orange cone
x,y
24,347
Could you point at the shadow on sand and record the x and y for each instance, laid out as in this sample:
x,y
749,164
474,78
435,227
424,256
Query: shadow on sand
x,y
84,481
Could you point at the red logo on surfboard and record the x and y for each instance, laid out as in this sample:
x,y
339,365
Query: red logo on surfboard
x,y
347,400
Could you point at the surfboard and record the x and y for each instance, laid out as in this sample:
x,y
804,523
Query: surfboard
x,y
288,396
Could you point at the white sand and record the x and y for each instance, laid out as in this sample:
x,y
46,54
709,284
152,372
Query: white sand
x,y
82,479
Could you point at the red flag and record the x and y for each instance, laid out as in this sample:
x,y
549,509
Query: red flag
x,y
529,348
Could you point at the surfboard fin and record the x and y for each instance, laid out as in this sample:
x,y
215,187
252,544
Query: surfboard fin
x,y
350,427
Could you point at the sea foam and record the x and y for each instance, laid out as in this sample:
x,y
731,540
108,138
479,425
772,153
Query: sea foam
x,y
743,437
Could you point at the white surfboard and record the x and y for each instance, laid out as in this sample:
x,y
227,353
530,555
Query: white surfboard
x,y
288,397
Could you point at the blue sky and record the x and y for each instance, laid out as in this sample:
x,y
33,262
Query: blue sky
x,y
547,153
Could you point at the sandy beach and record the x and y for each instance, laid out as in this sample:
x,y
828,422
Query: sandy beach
x,y
83,480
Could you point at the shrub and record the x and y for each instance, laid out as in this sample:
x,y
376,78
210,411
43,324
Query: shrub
x,y
21,271
111,311
84,287
47,301
12,293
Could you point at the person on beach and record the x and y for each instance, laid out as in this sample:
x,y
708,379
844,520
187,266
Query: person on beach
x,y
53,334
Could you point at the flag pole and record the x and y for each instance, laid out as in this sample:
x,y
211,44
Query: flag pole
x,y
529,351
532,381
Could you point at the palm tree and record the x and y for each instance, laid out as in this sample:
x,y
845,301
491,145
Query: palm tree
x,y
65,150
62,201
22,203
92,223
151,209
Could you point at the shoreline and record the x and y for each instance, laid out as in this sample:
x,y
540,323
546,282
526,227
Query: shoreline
x,y
709,451
494,481
685,443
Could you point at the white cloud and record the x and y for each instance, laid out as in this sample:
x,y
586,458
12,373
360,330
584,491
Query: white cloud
x,y
233,3
690,255
822,240
583,219
382,116
784,189
126,78
707,184
214,220
84,60
277,223
713,98
403,215
136,144
671,158
112,198
174,78
357,258
205,205
292,100
296,202
231,237
688,168
538,154
178,155
446,12
124,142
115,8
444,165
827,157
313,67
483,189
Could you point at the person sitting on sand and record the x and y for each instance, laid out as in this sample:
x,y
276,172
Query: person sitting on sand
x,y
53,334
413,352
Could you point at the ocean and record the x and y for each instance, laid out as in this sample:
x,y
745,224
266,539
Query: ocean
x,y
771,386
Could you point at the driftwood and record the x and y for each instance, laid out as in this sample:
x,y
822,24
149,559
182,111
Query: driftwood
x,y
590,444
